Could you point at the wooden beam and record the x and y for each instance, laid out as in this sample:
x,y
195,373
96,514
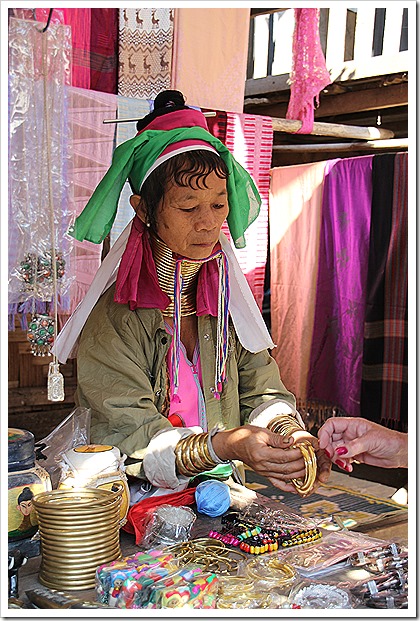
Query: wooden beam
x,y
370,145
346,103
334,129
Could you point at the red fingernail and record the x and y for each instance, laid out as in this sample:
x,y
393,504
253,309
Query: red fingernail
x,y
341,464
328,454
341,450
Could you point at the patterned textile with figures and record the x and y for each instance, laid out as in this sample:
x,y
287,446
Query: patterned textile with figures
x,y
328,502
145,52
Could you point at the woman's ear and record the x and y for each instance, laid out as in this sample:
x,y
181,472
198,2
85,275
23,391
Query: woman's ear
x,y
137,204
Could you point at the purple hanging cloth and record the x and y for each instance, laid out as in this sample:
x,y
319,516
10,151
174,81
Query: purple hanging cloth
x,y
335,371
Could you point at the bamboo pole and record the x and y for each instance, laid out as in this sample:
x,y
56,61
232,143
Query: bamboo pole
x,y
333,130
397,143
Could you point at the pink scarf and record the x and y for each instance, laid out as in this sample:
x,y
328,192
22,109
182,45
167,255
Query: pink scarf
x,y
137,282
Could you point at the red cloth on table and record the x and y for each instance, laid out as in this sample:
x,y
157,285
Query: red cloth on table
x,y
136,517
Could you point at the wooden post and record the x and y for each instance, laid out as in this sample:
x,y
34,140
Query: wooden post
x,y
334,130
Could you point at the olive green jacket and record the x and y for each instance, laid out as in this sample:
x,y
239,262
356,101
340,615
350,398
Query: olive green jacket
x,y
122,377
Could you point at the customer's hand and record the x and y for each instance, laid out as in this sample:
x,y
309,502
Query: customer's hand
x,y
346,439
273,456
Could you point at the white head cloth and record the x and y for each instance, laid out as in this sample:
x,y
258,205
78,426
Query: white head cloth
x,y
246,316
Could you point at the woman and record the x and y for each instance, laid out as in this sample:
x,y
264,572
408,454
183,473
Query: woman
x,y
177,345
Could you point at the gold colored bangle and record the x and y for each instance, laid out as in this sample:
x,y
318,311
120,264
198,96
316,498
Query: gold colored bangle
x,y
184,464
286,425
304,486
179,461
201,447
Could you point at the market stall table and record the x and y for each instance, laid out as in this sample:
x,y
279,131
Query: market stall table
x,y
394,530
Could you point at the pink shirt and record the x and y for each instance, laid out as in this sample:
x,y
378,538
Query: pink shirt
x,y
191,409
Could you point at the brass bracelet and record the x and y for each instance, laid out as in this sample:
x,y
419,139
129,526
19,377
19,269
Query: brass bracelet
x,y
203,449
286,425
304,486
184,464
198,449
179,462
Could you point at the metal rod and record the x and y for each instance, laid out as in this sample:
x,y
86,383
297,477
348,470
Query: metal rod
x,y
140,117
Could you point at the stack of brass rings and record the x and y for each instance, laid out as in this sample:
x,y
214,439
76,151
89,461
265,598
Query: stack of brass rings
x,y
192,455
211,554
286,425
79,530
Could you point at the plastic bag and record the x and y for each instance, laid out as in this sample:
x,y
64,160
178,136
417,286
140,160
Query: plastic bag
x,y
332,548
167,524
72,431
319,595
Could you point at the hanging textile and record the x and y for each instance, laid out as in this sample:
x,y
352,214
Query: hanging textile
x,y
250,139
145,52
79,21
128,108
40,207
104,50
217,124
335,371
93,143
210,56
309,73
384,386
295,222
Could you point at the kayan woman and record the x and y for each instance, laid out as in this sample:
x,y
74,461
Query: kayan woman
x,y
173,356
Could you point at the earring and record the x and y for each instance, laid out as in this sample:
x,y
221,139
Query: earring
x,y
148,224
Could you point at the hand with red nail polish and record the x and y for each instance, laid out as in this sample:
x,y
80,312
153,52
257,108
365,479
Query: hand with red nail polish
x,y
341,450
363,440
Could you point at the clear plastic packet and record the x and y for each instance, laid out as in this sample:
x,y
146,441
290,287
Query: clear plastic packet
x,y
166,525
332,548
319,595
186,587
116,579
73,431
275,518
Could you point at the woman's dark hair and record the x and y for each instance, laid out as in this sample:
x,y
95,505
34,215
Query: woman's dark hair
x,y
166,101
188,169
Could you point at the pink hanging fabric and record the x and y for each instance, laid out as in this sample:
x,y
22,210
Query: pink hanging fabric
x,y
309,73
210,55
80,22
92,147
295,224
250,139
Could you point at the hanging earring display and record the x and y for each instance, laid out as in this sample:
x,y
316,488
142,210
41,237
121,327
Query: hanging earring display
x,y
41,334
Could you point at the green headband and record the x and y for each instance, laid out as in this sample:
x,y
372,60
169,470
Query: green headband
x,y
132,160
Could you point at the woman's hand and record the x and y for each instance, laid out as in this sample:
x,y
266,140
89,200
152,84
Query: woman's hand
x,y
346,439
273,456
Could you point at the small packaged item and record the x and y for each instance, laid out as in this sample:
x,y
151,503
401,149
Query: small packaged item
x,y
189,587
111,579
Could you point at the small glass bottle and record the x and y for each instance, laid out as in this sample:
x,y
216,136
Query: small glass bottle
x,y
26,479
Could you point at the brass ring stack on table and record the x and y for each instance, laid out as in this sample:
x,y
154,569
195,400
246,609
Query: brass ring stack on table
x,y
286,425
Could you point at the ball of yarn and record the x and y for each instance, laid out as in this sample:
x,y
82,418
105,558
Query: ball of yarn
x,y
212,498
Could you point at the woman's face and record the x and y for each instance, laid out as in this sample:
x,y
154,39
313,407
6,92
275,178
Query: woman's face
x,y
189,220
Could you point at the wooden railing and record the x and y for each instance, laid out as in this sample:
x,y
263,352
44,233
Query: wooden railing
x,y
357,43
